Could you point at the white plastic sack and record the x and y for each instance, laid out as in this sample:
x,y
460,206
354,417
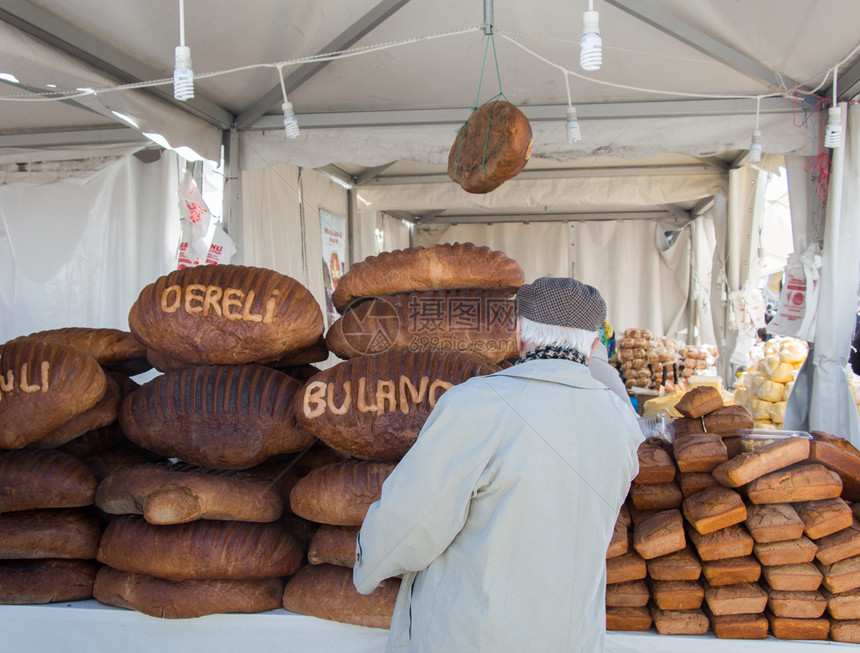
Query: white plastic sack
x,y
798,299
195,218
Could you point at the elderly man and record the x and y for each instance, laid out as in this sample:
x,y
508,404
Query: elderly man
x,y
499,516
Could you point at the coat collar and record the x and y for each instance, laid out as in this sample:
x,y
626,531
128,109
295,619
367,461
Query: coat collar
x,y
554,371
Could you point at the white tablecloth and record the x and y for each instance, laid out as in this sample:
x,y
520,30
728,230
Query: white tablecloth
x,y
90,627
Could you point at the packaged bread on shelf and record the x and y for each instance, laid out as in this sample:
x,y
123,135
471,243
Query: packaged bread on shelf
x,y
225,315
31,478
51,580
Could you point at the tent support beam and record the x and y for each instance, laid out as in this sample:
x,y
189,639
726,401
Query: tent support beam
x,y
539,217
360,28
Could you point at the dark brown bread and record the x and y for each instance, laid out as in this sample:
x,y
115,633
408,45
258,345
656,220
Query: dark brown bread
x,y
714,508
333,545
796,604
185,599
441,267
201,550
628,618
845,631
167,493
32,479
93,442
625,568
658,496
840,545
327,592
699,401
225,315
479,321
785,628
728,421
50,580
808,482
825,517
492,147
845,605
803,577
773,522
655,465
699,452
632,594
677,594
659,535
692,482
59,533
43,386
679,622
340,494
112,348
730,542
218,416
786,552
372,407
731,571
842,576
123,455
681,565
105,412
739,626
751,465
841,460
742,598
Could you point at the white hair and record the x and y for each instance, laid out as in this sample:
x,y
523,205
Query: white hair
x,y
534,335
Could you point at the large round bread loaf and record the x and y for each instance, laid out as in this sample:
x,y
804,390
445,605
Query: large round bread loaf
x,y
43,386
112,348
218,416
372,407
327,592
200,549
31,479
105,412
177,493
340,494
333,545
24,582
478,321
441,267
185,599
62,533
494,145
225,314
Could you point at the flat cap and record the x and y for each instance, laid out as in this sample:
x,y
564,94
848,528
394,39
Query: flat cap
x,y
563,302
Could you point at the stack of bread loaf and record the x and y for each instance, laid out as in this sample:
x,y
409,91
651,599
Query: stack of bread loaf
x,y
765,385
743,540
413,323
60,392
662,364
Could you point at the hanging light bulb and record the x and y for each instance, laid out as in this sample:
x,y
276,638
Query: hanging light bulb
x,y
183,75
590,45
573,133
755,147
291,125
833,131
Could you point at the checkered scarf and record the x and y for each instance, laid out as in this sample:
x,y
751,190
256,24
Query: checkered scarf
x,y
542,353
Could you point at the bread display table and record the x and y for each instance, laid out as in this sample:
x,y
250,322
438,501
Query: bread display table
x,y
90,627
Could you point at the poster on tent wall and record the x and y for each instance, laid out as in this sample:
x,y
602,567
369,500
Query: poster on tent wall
x,y
333,237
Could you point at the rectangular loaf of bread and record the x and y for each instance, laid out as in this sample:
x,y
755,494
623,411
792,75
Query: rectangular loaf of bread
x,y
658,496
750,465
786,552
845,605
773,522
743,598
840,545
785,628
825,517
627,595
714,508
660,534
731,571
692,482
699,401
699,452
655,465
807,482
845,631
679,622
802,577
677,594
842,576
628,618
730,542
842,460
681,565
739,626
796,604
625,568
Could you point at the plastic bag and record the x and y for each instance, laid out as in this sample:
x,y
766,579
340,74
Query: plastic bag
x,y
195,218
798,300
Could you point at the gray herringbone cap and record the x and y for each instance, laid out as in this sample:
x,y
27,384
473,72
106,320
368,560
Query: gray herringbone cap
x,y
563,302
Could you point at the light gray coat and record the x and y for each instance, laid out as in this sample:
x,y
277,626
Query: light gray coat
x,y
500,515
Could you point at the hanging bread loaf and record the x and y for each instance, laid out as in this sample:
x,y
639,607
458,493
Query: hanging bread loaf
x,y
112,348
225,314
492,147
327,592
340,494
479,321
105,412
31,479
177,493
441,267
61,533
186,599
372,407
43,386
218,416
24,582
200,549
